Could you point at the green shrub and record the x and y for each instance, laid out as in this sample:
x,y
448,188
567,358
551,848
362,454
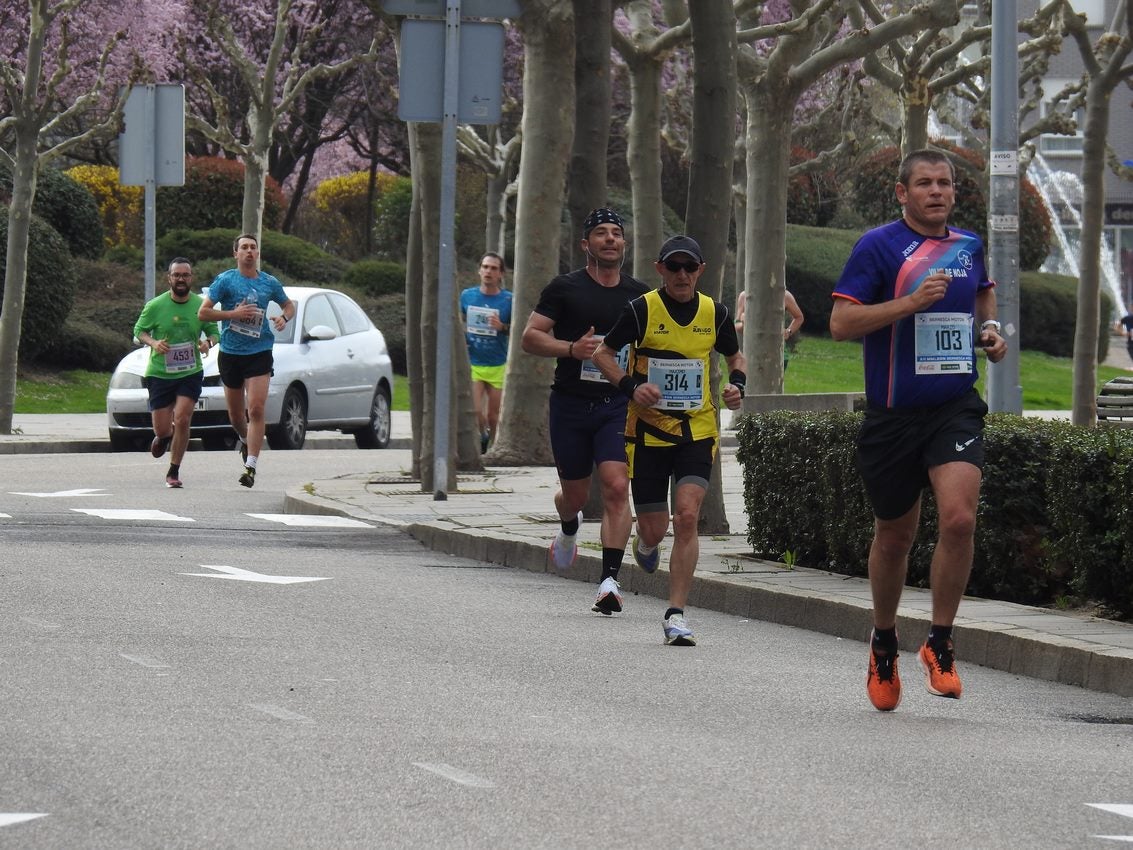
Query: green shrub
x,y
1054,516
88,344
391,220
51,283
67,206
213,196
875,201
812,198
376,277
294,258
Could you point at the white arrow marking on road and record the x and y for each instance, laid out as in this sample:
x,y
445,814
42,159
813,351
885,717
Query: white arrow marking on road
x,y
126,514
145,661
7,819
5,516
65,494
247,575
1123,809
455,774
314,520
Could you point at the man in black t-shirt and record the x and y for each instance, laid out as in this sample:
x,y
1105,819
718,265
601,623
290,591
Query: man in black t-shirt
x,y
587,414
1127,323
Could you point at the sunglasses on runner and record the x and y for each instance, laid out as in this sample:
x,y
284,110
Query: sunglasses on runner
x,y
690,267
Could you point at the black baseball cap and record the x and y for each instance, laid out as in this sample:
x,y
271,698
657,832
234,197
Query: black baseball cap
x,y
680,245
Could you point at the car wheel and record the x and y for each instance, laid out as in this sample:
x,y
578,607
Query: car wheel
x,y
123,442
291,432
376,434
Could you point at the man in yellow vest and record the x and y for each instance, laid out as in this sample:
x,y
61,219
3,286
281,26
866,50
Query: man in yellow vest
x,y
671,428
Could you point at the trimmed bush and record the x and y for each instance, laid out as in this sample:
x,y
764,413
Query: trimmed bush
x,y
213,196
391,220
376,277
51,283
294,258
341,214
67,206
1053,514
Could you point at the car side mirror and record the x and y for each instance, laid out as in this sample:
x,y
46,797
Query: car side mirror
x,y
323,332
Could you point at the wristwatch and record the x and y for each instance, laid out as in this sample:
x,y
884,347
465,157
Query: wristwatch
x,y
991,323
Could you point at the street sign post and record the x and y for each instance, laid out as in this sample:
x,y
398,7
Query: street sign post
x,y
151,153
436,84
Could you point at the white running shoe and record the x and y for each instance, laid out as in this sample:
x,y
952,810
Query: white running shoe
x,y
677,632
609,599
564,548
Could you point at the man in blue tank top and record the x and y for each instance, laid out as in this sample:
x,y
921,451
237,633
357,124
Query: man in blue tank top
x,y
916,292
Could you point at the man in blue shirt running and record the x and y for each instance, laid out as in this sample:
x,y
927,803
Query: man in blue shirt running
x,y
916,292
246,340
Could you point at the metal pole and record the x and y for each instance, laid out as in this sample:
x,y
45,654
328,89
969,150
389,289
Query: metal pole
x,y
1004,393
150,237
446,264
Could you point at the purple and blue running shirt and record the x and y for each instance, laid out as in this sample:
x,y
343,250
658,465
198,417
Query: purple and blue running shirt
x,y
928,358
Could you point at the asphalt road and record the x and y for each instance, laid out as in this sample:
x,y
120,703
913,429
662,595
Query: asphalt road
x,y
162,686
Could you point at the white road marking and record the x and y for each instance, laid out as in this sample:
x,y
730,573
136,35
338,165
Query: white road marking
x,y
455,774
5,516
280,713
145,661
314,520
9,818
132,514
238,574
64,494
1123,809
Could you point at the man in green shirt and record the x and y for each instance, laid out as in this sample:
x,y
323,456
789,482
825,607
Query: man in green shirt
x,y
174,375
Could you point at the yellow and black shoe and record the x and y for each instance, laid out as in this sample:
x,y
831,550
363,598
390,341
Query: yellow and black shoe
x,y
248,479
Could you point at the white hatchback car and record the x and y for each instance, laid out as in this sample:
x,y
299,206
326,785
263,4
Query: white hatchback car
x,y
332,372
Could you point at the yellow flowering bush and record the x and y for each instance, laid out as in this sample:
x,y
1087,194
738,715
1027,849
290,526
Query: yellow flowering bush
x,y
340,209
119,206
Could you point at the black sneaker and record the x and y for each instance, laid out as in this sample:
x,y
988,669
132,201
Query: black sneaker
x,y
248,479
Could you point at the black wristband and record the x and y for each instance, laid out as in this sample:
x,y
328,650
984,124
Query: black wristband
x,y
628,385
738,379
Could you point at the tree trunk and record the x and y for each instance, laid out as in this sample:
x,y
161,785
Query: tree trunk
x,y
25,174
643,144
414,284
427,151
769,121
548,82
260,122
593,20
712,155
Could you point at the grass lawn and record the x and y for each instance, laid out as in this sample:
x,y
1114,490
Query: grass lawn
x,y
78,391
818,365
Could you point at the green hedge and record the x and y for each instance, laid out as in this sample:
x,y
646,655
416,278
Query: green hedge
x,y
50,289
376,277
1054,513
67,206
297,260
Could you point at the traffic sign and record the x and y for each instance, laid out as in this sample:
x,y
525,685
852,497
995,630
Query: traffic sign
x,y
422,72
468,8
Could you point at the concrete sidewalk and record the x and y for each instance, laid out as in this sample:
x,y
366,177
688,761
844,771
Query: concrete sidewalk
x,y
506,515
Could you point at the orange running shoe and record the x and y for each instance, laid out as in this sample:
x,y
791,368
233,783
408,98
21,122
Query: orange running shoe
x,y
941,677
883,683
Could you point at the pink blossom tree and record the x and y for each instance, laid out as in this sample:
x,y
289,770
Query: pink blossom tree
x,y
59,62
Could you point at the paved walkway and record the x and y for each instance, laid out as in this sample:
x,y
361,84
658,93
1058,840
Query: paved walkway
x,y
505,515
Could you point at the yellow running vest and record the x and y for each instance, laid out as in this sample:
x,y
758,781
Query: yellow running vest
x,y
676,359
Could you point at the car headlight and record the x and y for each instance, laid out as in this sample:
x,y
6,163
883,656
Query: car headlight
x,y
126,381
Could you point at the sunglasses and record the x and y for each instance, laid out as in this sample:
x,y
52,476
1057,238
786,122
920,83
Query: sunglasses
x,y
674,266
